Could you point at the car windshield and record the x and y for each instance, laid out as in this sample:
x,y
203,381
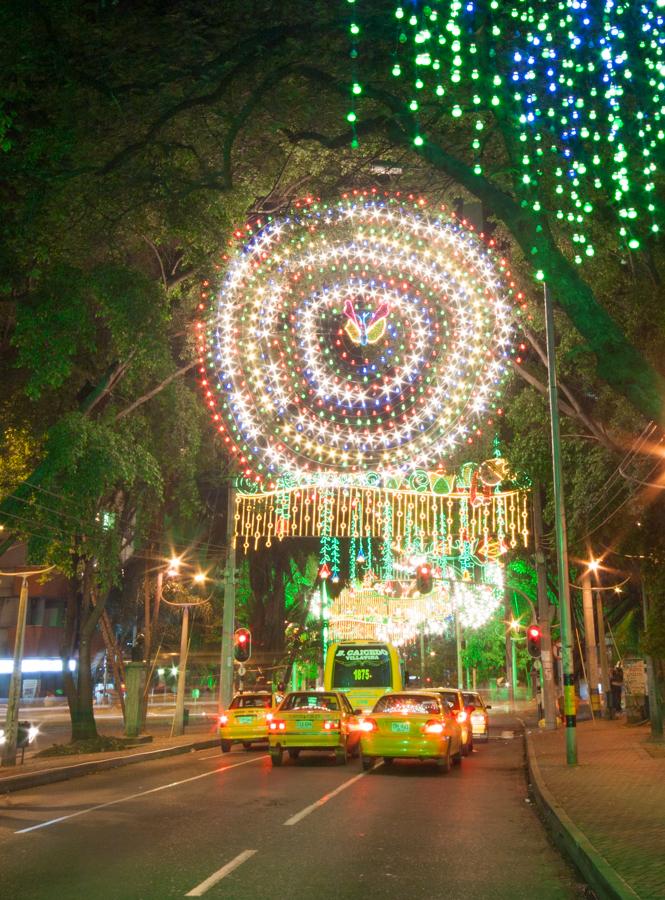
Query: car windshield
x,y
256,701
411,704
311,701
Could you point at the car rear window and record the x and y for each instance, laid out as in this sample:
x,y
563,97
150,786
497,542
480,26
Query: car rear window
x,y
407,705
472,700
256,701
451,697
310,701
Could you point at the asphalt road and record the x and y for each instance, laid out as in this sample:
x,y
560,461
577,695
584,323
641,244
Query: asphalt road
x,y
232,827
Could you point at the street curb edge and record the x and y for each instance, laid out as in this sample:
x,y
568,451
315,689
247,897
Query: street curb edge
x,y
605,880
15,783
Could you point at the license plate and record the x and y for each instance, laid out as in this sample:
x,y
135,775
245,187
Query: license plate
x,y
401,727
304,723
245,720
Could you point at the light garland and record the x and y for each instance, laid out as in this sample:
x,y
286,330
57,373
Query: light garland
x,y
368,334
391,612
360,512
580,86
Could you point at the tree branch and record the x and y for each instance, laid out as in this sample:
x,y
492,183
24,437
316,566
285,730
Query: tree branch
x,y
153,393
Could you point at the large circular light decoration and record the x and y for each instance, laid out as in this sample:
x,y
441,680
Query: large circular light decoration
x,y
366,334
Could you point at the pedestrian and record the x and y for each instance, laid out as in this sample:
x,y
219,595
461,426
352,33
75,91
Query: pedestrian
x,y
616,687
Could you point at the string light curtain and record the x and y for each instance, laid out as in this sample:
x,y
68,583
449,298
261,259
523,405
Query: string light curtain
x,y
576,86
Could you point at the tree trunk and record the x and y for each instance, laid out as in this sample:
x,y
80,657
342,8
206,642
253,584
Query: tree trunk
x,y
82,712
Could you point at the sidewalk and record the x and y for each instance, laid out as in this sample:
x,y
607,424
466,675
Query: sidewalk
x,y
35,772
608,812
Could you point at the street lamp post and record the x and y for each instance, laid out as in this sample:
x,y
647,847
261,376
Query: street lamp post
x,y
561,542
14,698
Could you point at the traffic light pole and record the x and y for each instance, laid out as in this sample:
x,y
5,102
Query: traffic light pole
x,y
561,542
228,618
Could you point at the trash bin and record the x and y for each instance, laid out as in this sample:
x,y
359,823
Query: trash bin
x,y
185,717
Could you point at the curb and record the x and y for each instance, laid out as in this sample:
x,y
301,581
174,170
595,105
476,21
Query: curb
x,y
63,773
599,874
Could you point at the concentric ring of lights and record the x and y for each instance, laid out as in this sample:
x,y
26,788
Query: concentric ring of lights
x,y
368,334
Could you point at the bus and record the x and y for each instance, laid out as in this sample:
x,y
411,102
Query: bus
x,y
363,670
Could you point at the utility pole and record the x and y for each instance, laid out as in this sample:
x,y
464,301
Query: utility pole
x,y
510,675
228,617
655,711
602,649
546,661
179,718
590,642
458,639
561,543
14,698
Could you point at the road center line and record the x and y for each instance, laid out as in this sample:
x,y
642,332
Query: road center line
x,y
309,809
200,889
163,787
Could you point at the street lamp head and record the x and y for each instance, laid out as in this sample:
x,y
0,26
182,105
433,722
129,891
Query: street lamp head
x,y
593,565
514,624
200,577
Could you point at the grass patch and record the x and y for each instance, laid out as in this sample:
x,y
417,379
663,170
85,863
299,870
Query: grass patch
x,y
99,744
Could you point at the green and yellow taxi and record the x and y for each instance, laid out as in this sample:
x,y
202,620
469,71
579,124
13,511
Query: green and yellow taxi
x,y
411,725
246,719
313,720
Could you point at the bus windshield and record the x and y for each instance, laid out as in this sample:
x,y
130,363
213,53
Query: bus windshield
x,y
362,666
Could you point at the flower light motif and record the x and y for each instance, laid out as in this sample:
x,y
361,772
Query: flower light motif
x,y
368,334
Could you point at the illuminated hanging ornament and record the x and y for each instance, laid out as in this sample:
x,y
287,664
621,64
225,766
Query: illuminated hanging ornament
x,y
360,558
578,85
324,572
367,334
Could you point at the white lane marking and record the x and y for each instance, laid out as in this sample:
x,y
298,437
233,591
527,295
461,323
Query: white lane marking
x,y
200,889
163,787
308,809
507,735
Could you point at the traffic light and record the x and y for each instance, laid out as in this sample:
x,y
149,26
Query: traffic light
x,y
533,636
242,644
424,578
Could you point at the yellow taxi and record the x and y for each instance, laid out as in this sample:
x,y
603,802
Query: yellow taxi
x,y
453,697
411,725
314,720
246,719
478,715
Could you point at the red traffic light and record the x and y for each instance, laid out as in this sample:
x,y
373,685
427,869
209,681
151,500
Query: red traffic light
x,y
242,644
424,578
533,636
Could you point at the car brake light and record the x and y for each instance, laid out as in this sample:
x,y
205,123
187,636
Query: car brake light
x,y
462,716
433,727
223,720
331,725
367,725
277,725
